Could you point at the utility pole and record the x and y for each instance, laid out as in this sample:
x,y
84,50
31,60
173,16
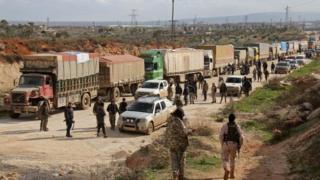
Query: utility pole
x,y
48,23
134,15
172,22
287,14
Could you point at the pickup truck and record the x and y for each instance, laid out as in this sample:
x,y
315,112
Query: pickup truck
x,y
145,115
153,88
234,85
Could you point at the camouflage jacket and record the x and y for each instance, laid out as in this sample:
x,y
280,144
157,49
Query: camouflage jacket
x,y
176,135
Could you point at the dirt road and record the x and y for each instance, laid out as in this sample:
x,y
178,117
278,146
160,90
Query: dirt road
x,y
24,147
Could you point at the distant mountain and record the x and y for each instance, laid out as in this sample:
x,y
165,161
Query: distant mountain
x,y
258,17
251,18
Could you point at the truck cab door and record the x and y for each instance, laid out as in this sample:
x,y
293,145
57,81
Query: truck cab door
x,y
48,87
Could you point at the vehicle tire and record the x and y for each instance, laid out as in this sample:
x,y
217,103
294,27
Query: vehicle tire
x,y
115,94
85,101
150,128
239,94
14,115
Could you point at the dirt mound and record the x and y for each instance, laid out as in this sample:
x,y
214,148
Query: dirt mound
x,y
13,47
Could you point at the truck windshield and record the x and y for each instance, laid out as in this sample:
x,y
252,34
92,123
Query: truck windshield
x,y
151,66
141,107
31,81
233,80
150,85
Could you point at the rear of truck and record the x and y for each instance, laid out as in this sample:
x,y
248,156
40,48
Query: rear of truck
x,y
223,56
120,74
181,64
57,78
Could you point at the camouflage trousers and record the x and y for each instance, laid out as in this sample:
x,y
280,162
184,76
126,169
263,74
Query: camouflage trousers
x,y
177,164
229,154
112,120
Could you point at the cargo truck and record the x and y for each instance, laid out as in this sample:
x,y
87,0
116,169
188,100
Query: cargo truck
x,y
173,65
303,46
222,56
250,53
263,49
240,57
120,74
57,78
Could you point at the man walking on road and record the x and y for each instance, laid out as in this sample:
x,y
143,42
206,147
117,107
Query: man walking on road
x,y
123,106
246,86
223,92
192,92
231,140
178,92
213,92
254,72
176,137
259,75
44,116
112,110
170,92
273,66
186,93
266,75
68,115
100,113
205,89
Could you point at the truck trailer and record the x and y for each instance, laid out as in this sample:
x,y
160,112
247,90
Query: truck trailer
x,y
240,57
120,74
173,64
55,78
222,56
263,49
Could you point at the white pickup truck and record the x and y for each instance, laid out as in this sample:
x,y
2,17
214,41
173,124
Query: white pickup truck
x,y
234,85
153,88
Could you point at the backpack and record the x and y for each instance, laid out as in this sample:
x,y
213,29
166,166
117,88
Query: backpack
x,y
233,134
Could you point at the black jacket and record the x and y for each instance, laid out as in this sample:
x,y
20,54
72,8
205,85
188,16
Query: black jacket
x,y
68,114
123,107
113,109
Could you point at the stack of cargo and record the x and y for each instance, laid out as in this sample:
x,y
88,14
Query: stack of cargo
x,y
65,65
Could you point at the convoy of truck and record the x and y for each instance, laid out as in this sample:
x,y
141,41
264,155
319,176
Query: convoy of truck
x,y
58,78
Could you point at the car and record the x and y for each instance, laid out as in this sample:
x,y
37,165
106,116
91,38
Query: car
x,y
301,59
153,88
234,85
283,67
294,64
145,115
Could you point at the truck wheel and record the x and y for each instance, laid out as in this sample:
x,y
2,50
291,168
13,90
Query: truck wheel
x,y
14,115
115,94
85,101
150,128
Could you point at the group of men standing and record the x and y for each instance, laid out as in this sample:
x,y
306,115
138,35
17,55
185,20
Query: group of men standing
x,y
98,111
262,67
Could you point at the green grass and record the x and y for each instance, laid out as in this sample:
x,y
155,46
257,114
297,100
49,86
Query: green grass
x,y
204,163
258,128
259,100
306,70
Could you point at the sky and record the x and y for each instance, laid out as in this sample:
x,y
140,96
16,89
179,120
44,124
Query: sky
x,y
119,10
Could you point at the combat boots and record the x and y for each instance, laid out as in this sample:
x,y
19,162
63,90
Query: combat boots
x,y
226,175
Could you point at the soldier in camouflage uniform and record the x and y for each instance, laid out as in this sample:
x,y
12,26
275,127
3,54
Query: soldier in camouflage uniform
x,y
176,136
231,139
